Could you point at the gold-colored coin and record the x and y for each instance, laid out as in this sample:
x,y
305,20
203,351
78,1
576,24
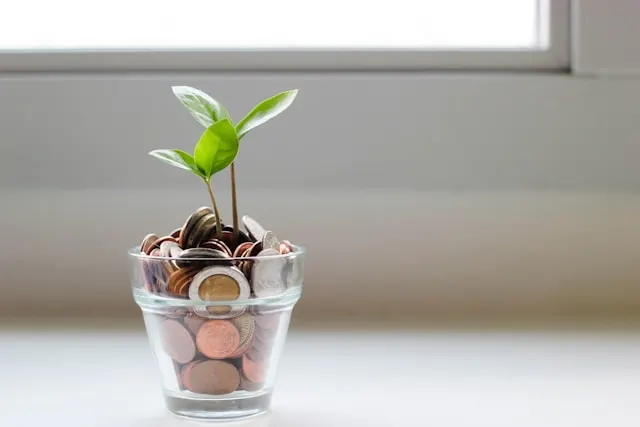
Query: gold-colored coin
x,y
219,287
218,283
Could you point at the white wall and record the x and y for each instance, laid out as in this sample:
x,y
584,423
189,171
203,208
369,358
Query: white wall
x,y
458,194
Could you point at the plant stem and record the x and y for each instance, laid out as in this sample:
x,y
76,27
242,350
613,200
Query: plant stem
x,y
215,208
234,200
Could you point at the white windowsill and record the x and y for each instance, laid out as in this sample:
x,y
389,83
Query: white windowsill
x,y
107,378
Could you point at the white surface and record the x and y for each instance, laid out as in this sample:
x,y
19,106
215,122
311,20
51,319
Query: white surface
x,y
453,379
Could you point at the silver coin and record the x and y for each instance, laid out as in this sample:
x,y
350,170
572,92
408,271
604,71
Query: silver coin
x,y
270,241
170,249
175,251
255,230
267,274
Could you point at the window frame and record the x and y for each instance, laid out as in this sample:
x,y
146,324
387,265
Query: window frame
x,y
556,57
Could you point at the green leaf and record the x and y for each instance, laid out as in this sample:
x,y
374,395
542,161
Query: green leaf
x,y
265,111
202,107
217,148
177,158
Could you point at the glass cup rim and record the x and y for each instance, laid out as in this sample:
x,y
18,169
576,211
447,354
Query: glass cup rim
x,y
298,251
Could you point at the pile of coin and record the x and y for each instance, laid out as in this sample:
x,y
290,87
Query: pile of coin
x,y
200,265
215,356
218,349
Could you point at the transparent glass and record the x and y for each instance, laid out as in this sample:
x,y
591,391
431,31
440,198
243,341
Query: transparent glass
x,y
217,347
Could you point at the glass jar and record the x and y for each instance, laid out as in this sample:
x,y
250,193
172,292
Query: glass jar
x,y
217,327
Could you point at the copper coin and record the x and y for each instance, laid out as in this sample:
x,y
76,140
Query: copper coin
x,y
185,375
160,276
212,377
156,244
254,371
190,223
216,244
169,267
246,270
193,323
179,281
147,242
229,238
256,248
242,247
244,264
285,247
217,339
176,233
241,235
247,385
177,341
235,238
287,244
183,286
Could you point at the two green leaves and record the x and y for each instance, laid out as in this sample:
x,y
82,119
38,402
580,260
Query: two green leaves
x,y
218,145
216,149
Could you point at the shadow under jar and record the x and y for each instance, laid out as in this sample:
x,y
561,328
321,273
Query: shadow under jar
x,y
217,327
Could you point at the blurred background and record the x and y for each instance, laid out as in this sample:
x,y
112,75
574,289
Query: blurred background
x,y
458,164
448,165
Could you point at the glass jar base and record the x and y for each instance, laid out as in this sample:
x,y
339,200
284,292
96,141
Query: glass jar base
x,y
232,407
